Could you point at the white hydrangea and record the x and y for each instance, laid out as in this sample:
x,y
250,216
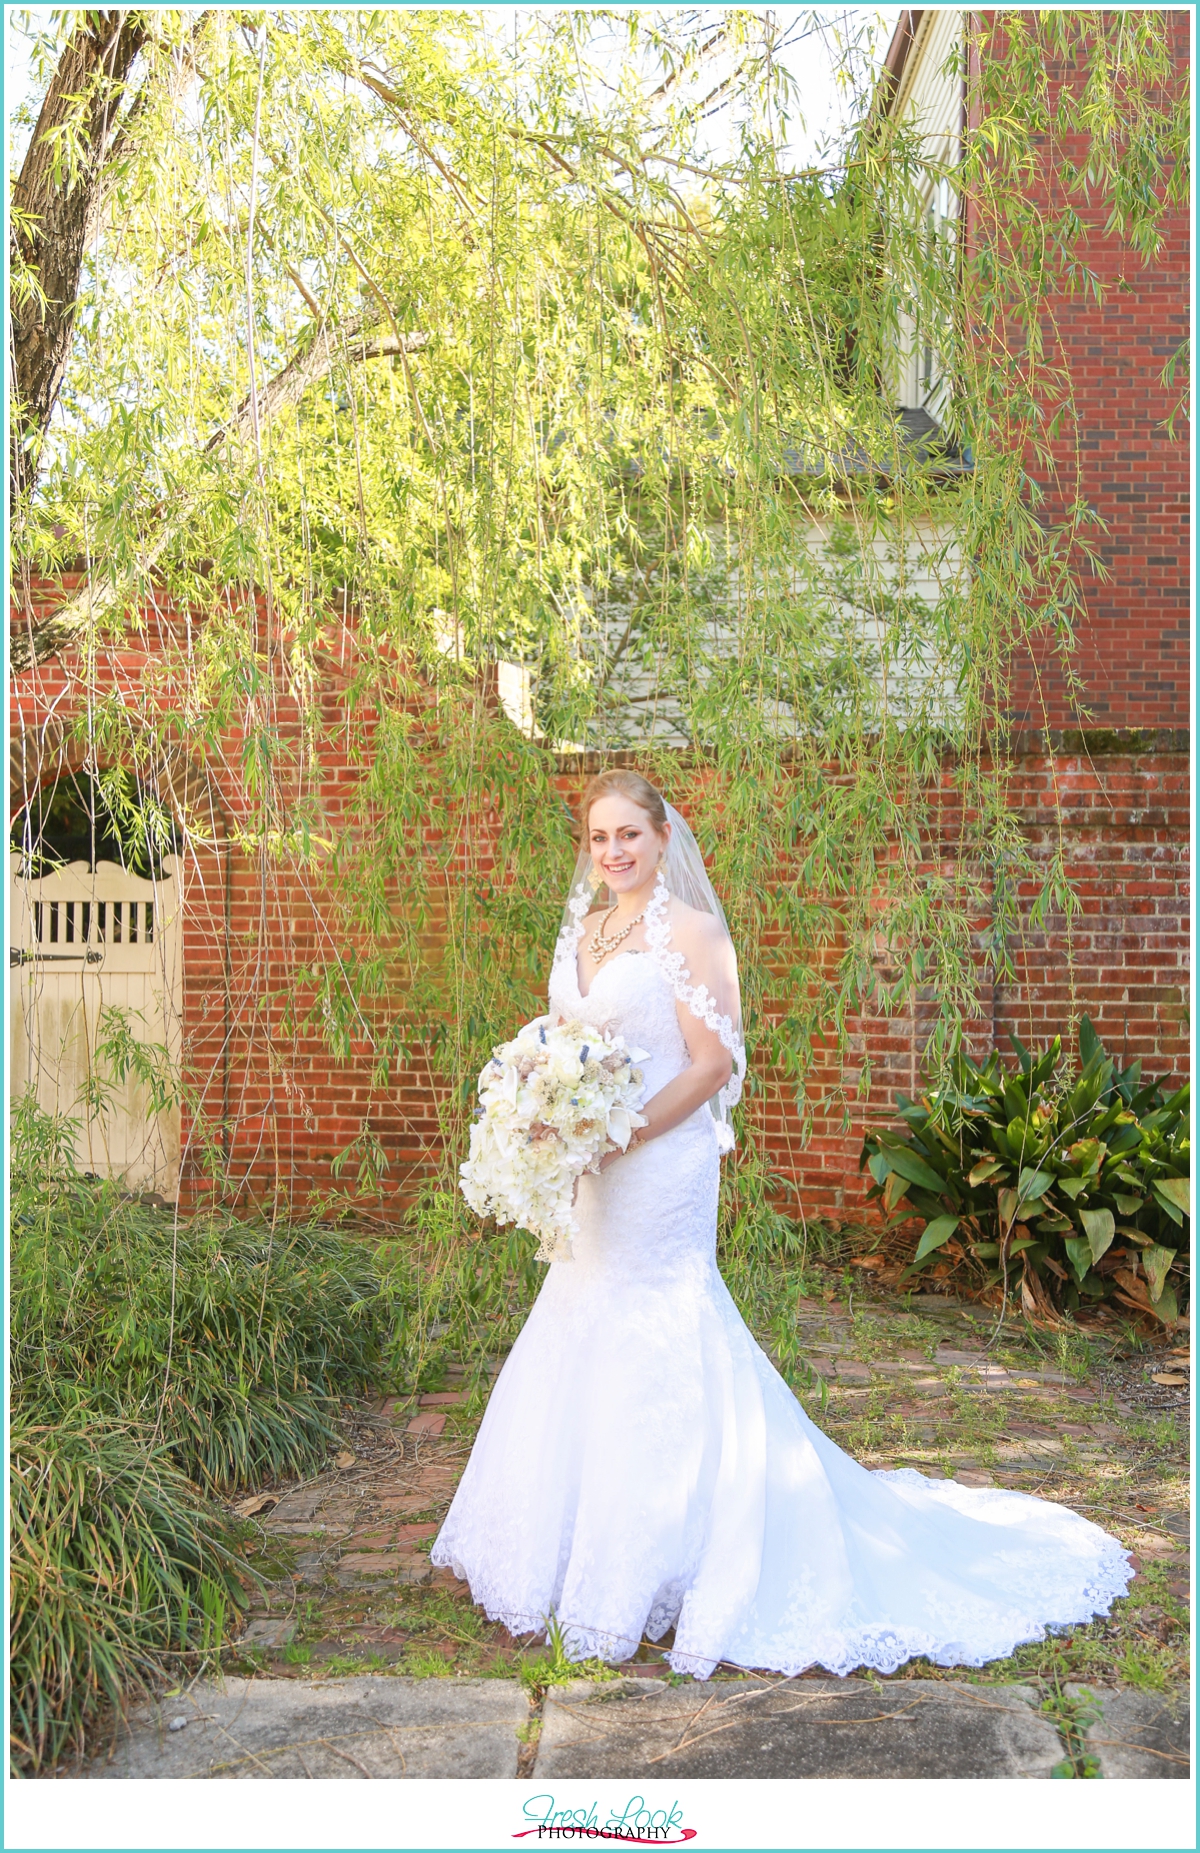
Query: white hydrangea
x,y
553,1102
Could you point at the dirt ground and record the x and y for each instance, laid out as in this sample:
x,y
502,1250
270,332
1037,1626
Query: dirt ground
x,y
1097,1421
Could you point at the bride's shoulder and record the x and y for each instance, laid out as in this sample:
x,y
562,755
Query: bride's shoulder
x,y
693,926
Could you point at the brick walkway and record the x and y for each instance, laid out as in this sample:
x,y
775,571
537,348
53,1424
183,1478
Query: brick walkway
x,y
337,1547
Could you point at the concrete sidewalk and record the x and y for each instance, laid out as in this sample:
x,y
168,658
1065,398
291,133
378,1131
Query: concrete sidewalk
x,y
367,1727
383,1726
804,1728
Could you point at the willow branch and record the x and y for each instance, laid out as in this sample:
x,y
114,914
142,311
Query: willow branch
x,y
33,643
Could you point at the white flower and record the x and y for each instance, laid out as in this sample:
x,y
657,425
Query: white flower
x,y
620,1126
554,1101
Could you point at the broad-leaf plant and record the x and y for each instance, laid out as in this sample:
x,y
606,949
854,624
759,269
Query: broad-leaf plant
x,y
1062,1187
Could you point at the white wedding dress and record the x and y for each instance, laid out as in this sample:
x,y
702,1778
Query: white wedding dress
x,y
641,1464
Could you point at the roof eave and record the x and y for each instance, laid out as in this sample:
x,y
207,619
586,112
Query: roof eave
x,y
891,77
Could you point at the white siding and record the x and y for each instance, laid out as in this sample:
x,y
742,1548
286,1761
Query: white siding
x,y
930,97
905,636
891,612
930,93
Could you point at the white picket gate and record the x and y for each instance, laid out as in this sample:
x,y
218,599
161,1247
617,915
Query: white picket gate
x,y
83,942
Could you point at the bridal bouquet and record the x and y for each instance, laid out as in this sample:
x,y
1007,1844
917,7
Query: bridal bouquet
x,y
553,1102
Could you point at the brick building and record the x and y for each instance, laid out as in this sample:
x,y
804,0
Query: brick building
x,y
1110,786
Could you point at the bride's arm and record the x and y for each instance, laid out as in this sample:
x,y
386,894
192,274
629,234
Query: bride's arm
x,y
711,1064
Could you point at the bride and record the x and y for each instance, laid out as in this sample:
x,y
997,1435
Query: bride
x,y
641,1464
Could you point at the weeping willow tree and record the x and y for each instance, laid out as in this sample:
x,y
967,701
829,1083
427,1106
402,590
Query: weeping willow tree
x,y
421,353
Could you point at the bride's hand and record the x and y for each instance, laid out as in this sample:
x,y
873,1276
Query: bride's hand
x,y
610,1158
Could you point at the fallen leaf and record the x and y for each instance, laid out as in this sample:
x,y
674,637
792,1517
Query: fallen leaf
x,y
1171,1378
1133,1289
257,1502
344,1459
868,1261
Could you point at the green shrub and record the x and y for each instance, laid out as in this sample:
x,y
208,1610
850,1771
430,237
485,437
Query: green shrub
x,y
1070,1190
452,1291
232,1340
115,1559
150,1351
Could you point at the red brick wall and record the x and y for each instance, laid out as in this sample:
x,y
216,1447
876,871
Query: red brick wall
x,y
285,1105
1122,821
1132,654
1124,818
1123,962
280,1107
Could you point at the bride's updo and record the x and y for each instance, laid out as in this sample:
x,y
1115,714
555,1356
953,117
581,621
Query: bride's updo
x,y
630,785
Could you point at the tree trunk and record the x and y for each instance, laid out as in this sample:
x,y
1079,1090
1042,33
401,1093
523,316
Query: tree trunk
x,y
59,188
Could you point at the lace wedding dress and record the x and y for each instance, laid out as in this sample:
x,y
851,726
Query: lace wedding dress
x,y
641,1463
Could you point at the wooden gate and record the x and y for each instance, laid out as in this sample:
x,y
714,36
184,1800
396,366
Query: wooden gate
x,y
95,954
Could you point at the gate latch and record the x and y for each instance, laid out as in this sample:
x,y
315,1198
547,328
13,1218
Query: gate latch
x,y
19,955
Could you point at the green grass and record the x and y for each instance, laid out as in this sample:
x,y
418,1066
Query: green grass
x,y
426,1663
539,1672
1110,1651
233,1340
346,1666
115,1562
155,1360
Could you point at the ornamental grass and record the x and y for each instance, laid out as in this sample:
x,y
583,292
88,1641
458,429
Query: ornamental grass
x,y
116,1561
232,1340
157,1362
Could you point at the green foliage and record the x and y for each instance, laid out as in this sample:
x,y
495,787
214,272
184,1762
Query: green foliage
x,y
450,1293
1080,1176
556,1668
1072,1717
115,1561
642,451
231,1341
766,1255
150,1352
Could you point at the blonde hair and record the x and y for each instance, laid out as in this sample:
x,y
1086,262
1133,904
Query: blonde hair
x,y
630,785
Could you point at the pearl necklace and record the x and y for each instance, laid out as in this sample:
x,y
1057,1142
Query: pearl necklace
x,y
599,946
